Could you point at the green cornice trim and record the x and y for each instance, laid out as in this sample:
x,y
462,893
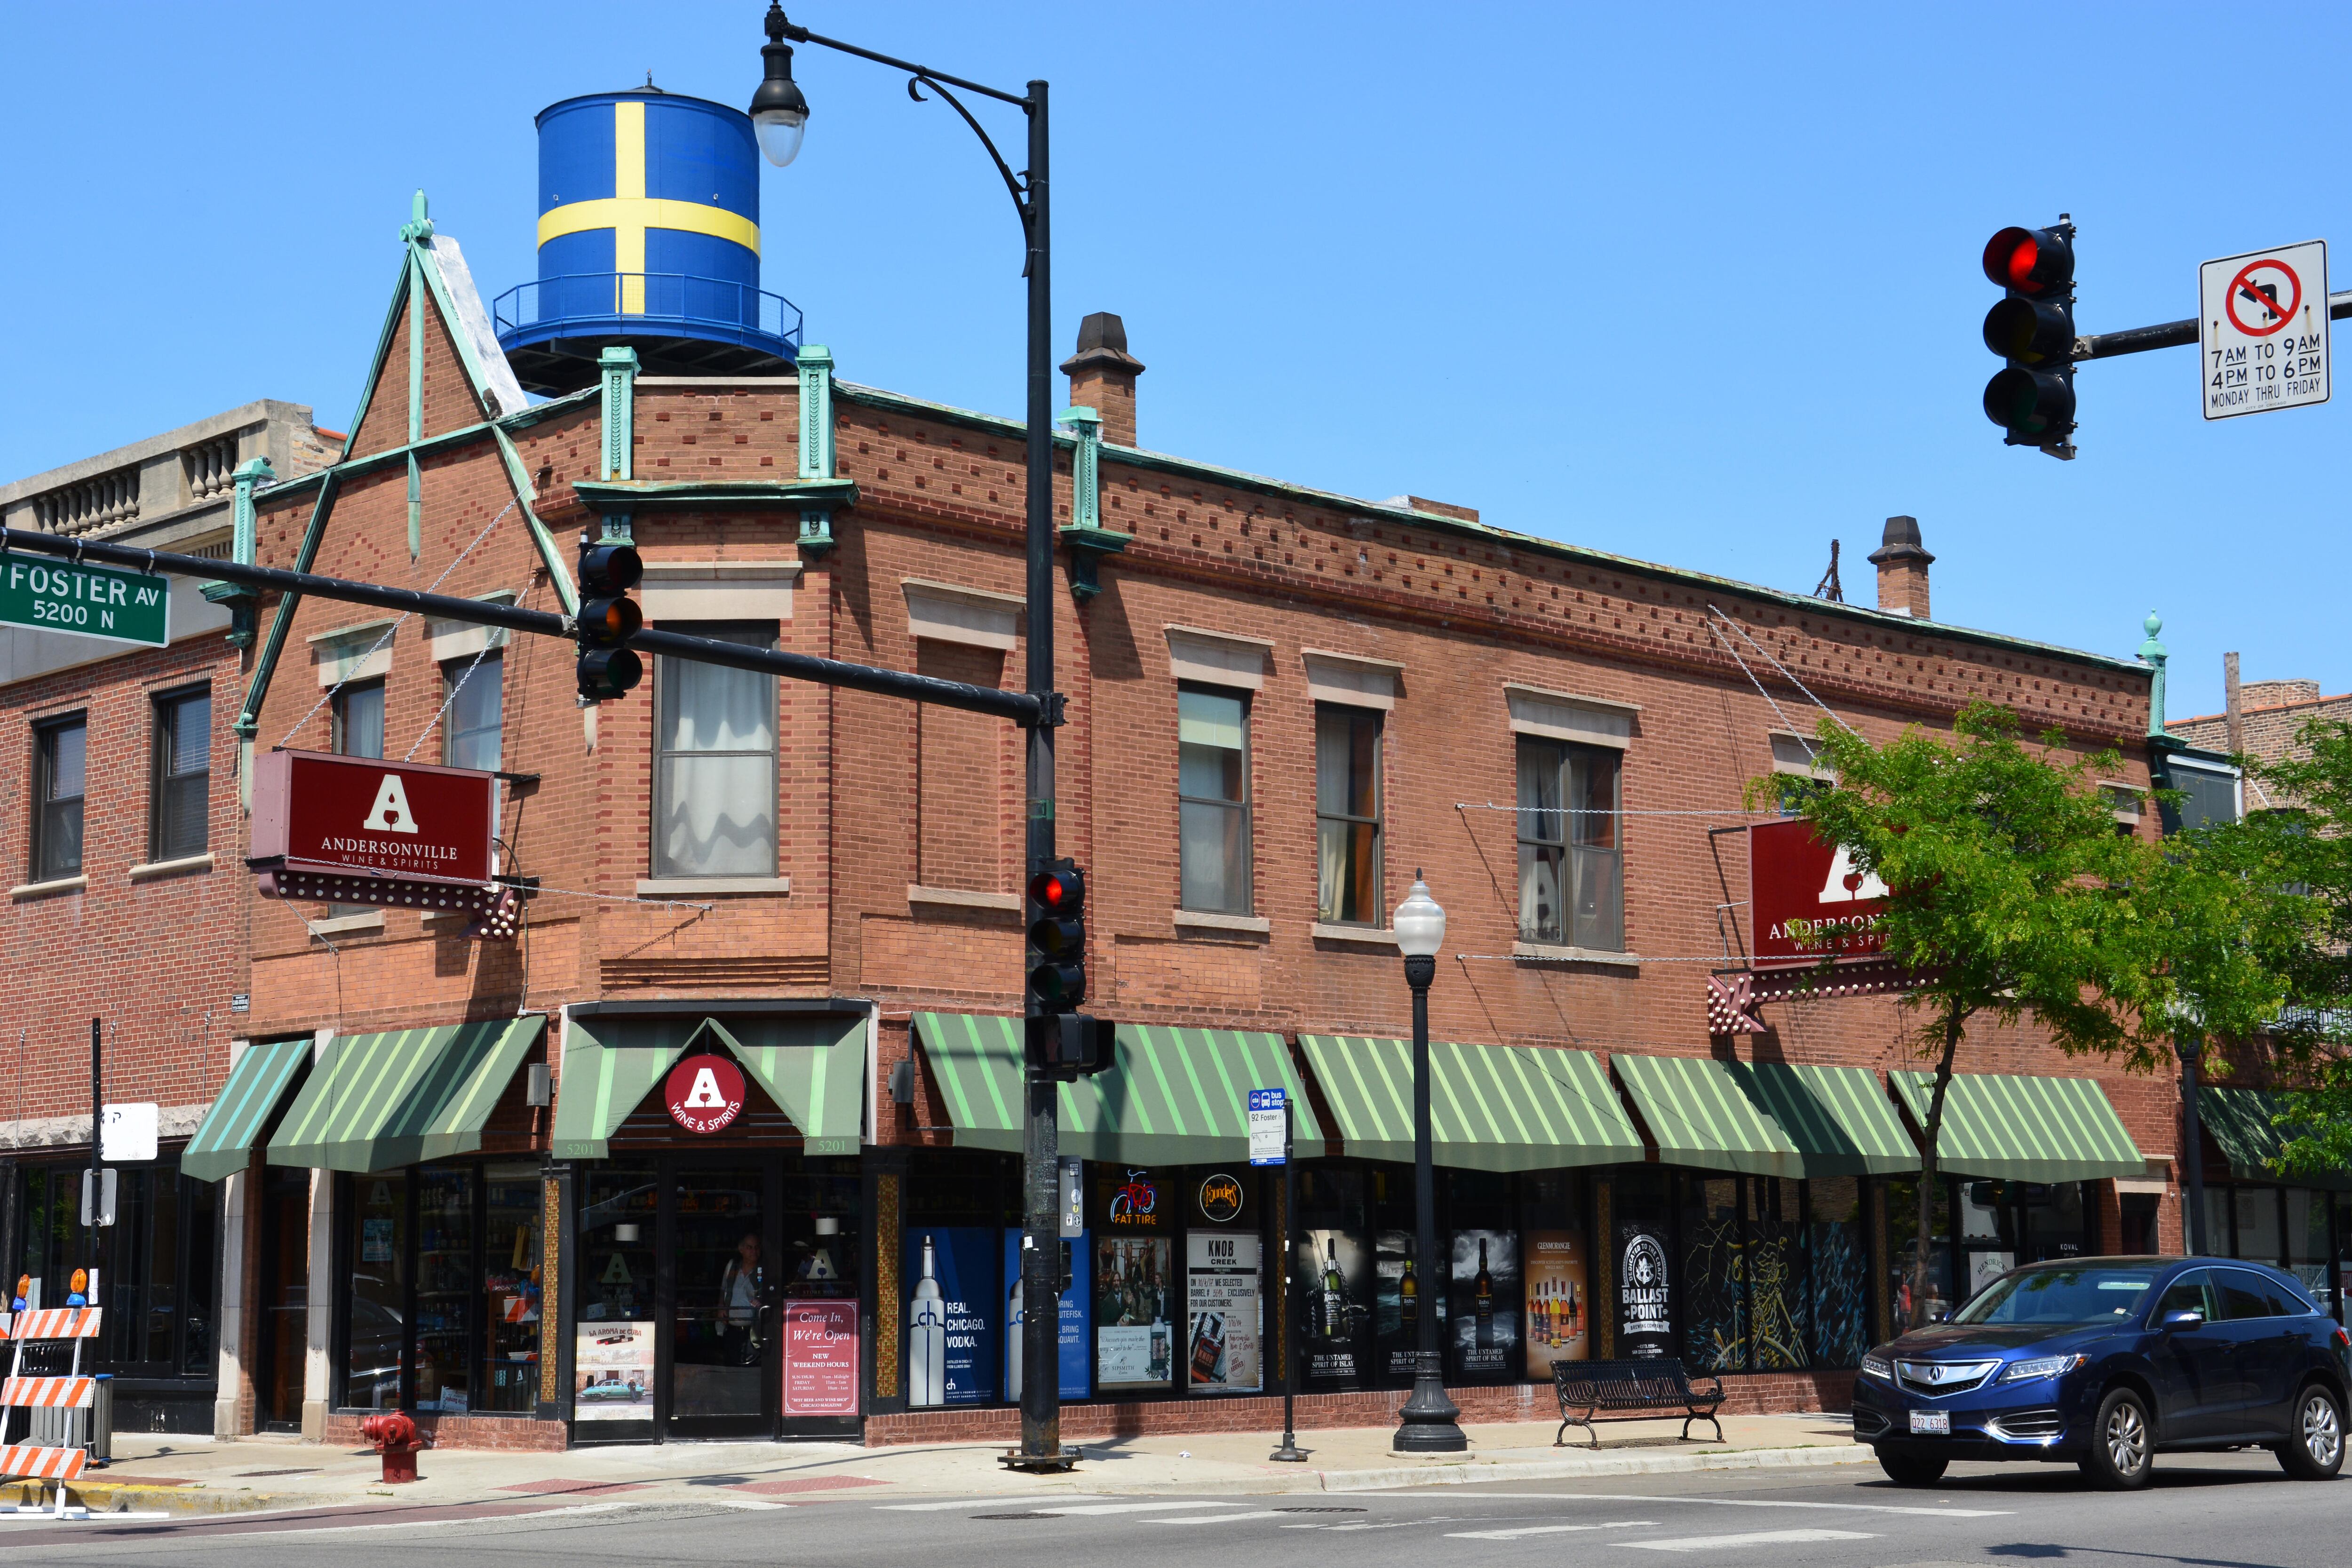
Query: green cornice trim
x,y
1209,473
638,496
353,467
525,493
283,621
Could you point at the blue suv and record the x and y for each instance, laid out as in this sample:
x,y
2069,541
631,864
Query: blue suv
x,y
2105,1361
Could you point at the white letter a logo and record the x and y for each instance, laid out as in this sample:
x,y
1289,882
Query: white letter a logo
x,y
705,1092
391,814
1848,883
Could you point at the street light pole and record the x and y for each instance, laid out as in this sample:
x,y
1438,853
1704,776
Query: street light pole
x,y
1427,1422
780,115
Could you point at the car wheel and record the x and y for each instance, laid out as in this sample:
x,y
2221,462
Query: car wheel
x,y
1911,1469
2315,1450
2123,1447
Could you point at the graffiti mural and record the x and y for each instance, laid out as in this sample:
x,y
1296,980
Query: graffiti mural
x,y
1714,1324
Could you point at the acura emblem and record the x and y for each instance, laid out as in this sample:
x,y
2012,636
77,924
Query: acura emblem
x,y
1934,1374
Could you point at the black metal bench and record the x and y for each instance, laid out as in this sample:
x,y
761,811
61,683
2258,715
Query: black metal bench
x,y
1636,1389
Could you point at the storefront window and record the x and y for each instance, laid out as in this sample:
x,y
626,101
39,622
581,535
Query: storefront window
x,y
155,1264
2257,1235
1483,1300
1555,1251
1714,1282
2343,1256
1225,1302
1401,1286
1775,1274
378,1232
1133,1214
1641,1213
446,1293
612,1345
1902,1254
2307,1249
513,1201
1840,1292
1332,1271
2055,1223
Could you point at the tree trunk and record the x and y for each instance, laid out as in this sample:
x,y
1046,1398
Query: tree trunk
x,y
1930,1130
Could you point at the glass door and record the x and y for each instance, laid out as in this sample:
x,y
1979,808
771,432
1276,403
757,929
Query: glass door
x,y
285,1305
721,1288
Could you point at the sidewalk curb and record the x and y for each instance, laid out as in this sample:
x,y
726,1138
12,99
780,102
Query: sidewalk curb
x,y
1473,1472
105,1496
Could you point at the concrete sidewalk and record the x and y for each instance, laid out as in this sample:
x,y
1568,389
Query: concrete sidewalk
x,y
197,1476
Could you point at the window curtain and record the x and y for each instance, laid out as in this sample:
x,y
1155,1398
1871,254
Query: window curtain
x,y
718,783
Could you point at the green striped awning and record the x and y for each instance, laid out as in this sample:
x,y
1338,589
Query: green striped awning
x,y
812,1067
224,1144
376,1101
1491,1107
2239,1120
2024,1129
1176,1097
1701,1115
1839,1117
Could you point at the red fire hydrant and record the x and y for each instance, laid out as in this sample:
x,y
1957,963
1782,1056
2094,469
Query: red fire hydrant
x,y
396,1438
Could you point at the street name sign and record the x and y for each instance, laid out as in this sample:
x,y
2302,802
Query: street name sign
x,y
88,601
2261,330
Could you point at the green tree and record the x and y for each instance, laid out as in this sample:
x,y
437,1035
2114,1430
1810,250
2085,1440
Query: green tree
x,y
2303,850
2011,894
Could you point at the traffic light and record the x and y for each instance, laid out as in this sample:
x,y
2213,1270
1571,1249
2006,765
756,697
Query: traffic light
x,y
1057,938
608,617
2033,328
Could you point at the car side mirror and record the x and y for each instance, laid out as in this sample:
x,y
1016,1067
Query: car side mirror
x,y
2188,1320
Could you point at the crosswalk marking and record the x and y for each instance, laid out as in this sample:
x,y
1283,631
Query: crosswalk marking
x,y
1220,1517
1741,1502
1545,1530
1095,1508
1749,1538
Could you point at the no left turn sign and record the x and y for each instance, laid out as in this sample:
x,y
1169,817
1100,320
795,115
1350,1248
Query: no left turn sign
x,y
2261,330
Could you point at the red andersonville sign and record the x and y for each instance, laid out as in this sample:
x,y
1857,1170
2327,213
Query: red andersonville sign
x,y
364,830
1810,901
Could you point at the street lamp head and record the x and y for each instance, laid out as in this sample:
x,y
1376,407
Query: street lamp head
x,y
779,113
1420,922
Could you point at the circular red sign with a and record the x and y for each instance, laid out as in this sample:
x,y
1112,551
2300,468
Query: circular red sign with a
x,y
704,1093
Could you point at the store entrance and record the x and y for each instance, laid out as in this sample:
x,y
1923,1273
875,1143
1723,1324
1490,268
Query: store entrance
x,y
719,1313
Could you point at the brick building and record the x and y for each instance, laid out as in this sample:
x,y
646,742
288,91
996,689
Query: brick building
x,y
724,1142
121,827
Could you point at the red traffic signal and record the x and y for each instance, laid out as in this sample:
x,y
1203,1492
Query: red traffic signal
x,y
1059,890
2030,260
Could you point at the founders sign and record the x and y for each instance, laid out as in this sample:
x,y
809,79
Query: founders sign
x,y
364,830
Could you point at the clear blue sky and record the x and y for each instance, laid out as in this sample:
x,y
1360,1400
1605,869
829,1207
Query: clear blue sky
x,y
1696,284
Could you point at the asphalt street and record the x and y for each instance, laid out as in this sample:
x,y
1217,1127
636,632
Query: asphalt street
x,y
2211,1511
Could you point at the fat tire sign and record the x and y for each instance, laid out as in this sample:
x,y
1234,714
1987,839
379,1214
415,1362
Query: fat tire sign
x,y
2261,330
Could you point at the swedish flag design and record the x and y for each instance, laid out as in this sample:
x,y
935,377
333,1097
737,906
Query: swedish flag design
x,y
648,183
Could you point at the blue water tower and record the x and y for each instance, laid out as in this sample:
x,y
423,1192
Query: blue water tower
x,y
648,235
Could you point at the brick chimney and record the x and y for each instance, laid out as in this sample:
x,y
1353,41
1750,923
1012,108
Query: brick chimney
x,y
1102,375
1903,569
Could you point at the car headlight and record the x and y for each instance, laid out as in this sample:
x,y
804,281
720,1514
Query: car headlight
x,y
1879,1367
2040,1366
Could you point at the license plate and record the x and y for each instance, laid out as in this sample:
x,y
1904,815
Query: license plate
x,y
1931,1423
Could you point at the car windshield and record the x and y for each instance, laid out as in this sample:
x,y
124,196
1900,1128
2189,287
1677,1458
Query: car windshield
x,y
2087,1295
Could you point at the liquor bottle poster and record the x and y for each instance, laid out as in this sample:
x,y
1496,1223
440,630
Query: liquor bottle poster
x,y
1558,1307
1396,1310
1482,1328
1072,1339
613,1372
1222,1304
952,1308
820,1358
1135,1334
1333,1269
1644,1299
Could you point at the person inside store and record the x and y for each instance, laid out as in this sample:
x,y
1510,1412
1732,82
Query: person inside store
x,y
742,1292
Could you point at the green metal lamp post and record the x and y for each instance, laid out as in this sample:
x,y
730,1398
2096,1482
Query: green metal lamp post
x,y
1427,1422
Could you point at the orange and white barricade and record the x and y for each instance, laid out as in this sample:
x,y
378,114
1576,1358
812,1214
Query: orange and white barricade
x,y
22,1390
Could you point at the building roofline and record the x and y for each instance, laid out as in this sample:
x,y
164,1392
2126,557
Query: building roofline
x,y
260,411
2265,708
1161,462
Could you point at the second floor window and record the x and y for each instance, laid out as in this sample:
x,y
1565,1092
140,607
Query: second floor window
x,y
1348,815
470,730
1212,800
60,751
715,763
359,719
1572,866
183,775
